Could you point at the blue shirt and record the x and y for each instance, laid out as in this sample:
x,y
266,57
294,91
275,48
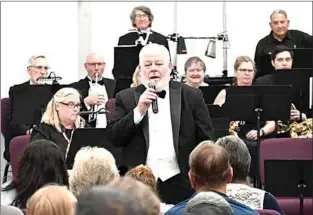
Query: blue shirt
x,y
237,208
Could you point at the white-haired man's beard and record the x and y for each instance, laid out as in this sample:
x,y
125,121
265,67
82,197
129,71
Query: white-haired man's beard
x,y
159,84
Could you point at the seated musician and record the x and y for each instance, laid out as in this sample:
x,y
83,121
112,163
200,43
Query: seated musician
x,y
195,71
60,119
282,58
244,72
37,67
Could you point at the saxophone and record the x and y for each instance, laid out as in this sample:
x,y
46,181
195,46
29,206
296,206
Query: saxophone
x,y
302,129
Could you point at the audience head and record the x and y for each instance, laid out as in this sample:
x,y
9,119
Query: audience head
x,y
282,57
209,167
155,66
144,174
194,70
37,67
240,158
136,78
104,200
92,166
208,203
279,23
244,71
141,17
41,163
63,109
52,200
141,192
95,65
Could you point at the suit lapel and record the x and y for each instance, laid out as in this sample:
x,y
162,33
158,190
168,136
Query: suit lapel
x,y
175,105
144,125
110,87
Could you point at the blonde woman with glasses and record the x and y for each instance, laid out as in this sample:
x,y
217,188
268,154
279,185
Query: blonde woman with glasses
x,y
60,119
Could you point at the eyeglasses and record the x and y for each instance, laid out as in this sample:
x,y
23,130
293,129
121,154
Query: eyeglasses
x,y
41,67
246,70
141,15
99,64
72,105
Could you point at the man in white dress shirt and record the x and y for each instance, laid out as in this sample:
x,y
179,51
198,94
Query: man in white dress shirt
x,y
161,140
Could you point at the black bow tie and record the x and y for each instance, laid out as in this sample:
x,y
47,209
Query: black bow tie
x,y
101,82
143,35
161,94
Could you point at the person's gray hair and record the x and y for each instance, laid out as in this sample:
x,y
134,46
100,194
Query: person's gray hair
x,y
32,59
208,203
154,49
278,12
144,9
240,158
193,60
92,166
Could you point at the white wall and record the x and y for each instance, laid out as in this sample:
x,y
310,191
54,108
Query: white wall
x,y
67,31
28,28
247,23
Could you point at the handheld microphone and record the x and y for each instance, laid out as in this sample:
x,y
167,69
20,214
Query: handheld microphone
x,y
155,108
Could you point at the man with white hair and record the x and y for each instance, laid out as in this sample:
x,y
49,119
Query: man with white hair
x,y
37,67
160,132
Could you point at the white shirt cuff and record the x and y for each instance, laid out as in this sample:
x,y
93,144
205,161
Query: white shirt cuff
x,y
137,116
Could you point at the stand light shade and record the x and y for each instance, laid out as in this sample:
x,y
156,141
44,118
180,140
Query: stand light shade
x,y
211,49
181,46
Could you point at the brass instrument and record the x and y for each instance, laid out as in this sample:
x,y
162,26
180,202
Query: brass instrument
x,y
302,129
93,117
234,127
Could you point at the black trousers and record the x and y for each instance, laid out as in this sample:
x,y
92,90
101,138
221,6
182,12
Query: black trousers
x,y
175,189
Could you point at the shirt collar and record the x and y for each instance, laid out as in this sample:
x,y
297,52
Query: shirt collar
x,y
272,39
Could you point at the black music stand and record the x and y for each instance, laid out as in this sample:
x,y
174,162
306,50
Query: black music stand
x,y
219,80
122,84
93,137
256,104
29,102
211,92
294,179
302,58
126,59
219,122
298,79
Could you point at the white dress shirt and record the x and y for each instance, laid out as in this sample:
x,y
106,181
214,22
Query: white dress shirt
x,y
161,157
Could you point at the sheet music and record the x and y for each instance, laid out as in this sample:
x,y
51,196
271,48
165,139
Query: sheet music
x,y
311,93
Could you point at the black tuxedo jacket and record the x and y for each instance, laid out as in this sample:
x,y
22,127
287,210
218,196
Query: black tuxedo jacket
x,y
190,117
155,37
83,87
13,129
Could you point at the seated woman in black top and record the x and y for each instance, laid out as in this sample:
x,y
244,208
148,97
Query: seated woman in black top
x,y
244,74
60,119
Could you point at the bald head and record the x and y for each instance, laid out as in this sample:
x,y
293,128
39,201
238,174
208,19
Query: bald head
x,y
95,65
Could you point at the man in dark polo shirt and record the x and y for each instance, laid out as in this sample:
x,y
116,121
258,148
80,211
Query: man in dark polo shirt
x,y
279,35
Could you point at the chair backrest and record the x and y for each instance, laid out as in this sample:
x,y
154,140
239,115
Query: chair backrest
x,y
10,210
110,106
284,149
4,123
267,212
17,147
